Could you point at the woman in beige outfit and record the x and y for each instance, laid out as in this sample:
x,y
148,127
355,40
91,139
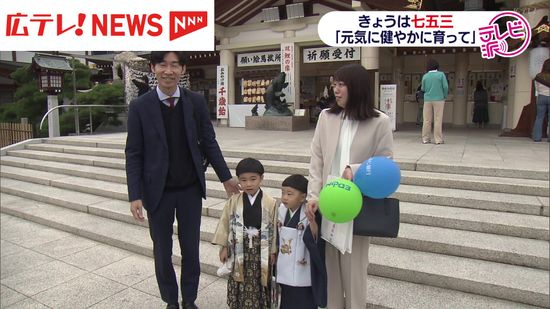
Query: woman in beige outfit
x,y
347,134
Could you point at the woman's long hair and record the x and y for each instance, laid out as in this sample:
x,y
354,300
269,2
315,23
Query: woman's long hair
x,y
360,105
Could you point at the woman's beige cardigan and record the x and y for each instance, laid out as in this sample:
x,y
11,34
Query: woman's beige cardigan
x,y
374,137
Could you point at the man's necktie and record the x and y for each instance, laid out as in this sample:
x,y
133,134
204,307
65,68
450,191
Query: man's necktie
x,y
171,100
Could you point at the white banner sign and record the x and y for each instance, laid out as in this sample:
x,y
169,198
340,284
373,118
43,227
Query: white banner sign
x,y
330,54
104,24
287,66
261,58
388,97
221,92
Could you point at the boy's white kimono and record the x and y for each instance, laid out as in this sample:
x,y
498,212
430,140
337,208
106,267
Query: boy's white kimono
x,y
293,263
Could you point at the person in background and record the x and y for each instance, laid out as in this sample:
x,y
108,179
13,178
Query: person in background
x,y
436,89
328,99
542,85
331,99
420,100
481,106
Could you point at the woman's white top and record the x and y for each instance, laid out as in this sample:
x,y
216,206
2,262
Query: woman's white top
x,y
340,235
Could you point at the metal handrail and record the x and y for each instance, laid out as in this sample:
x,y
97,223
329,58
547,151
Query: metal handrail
x,y
82,105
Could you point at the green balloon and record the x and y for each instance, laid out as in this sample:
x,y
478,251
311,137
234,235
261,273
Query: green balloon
x,y
340,201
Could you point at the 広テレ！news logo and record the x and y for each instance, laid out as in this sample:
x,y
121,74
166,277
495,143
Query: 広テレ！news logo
x,y
120,25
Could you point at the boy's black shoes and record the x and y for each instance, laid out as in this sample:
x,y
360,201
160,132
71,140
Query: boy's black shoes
x,y
172,306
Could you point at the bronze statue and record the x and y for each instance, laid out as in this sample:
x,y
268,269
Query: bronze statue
x,y
275,103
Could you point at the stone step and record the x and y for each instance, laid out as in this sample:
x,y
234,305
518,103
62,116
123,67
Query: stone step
x,y
100,142
78,184
457,181
104,207
406,193
81,168
69,158
464,218
496,248
385,293
103,152
494,222
52,195
476,220
91,186
477,183
482,170
517,203
511,224
119,163
505,249
442,180
70,169
482,246
510,282
267,155
405,163
98,187
514,283
270,165
260,155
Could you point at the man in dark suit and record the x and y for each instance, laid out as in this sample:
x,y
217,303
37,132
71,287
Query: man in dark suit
x,y
169,132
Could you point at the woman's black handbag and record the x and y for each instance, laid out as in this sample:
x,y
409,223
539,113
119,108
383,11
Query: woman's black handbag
x,y
378,217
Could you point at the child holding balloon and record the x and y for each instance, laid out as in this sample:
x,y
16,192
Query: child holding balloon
x,y
247,236
301,270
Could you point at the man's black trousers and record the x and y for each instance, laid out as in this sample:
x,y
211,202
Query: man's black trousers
x,y
186,204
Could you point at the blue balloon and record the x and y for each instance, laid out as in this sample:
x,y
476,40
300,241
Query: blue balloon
x,y
378,177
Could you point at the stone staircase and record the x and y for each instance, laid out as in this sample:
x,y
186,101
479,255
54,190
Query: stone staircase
x,y
470,237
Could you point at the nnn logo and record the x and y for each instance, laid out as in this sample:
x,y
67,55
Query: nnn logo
x,y
182,23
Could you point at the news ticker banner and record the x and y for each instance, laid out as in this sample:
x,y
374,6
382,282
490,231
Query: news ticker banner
x,y
104,24
491,31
